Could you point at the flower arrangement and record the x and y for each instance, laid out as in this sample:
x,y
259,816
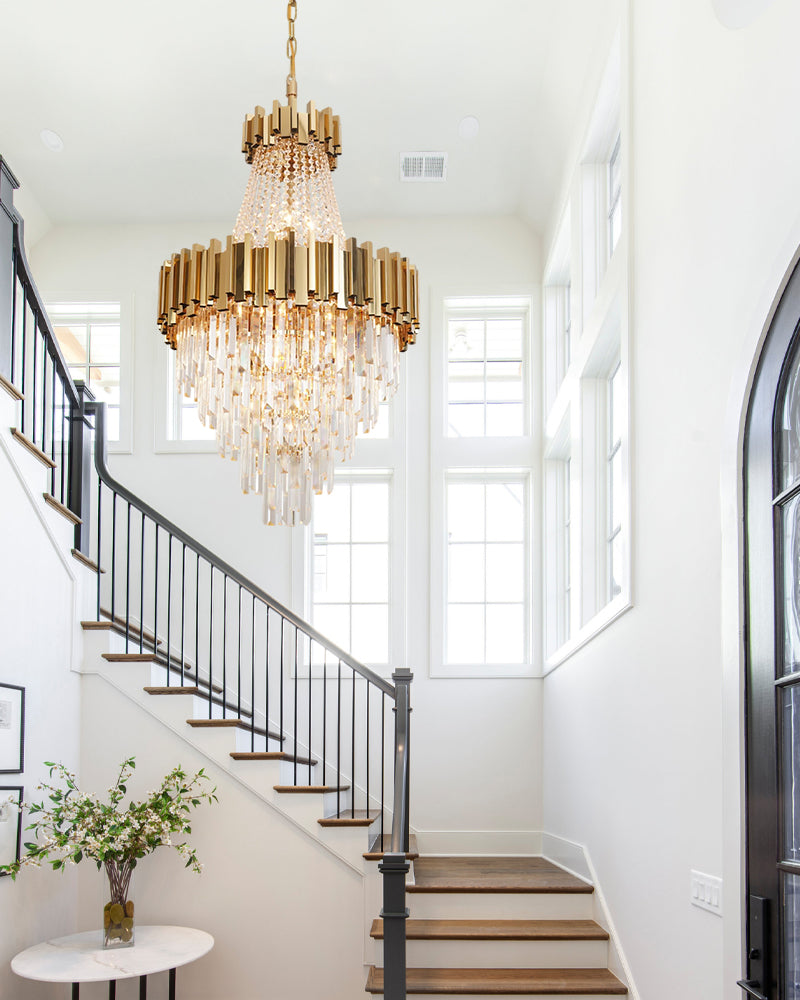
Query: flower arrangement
x,y
76,825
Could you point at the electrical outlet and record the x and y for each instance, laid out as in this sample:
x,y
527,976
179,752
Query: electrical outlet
x,y
706,892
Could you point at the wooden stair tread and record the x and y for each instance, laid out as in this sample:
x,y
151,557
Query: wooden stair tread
x,y
61,508
498,930
232,723
198,693
271,755
311,789
346,818
597,982
378,849
77,554
11,389
34,449
498,874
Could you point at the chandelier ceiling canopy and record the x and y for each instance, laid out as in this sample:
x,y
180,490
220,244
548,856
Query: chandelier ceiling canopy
x,y
287,334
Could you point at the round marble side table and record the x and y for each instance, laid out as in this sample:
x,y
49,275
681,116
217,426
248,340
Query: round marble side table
x,y
81,958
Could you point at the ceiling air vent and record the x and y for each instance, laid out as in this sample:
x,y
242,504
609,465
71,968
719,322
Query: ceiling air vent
x,y
423,166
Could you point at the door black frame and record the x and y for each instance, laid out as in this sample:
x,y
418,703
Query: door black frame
x,y
763,639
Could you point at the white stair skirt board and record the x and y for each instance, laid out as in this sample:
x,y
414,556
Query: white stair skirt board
x,y
503,954
501,906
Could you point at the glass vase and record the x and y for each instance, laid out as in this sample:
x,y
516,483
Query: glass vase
x,y
118,919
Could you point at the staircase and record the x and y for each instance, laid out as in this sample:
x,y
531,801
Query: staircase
x,y
281,710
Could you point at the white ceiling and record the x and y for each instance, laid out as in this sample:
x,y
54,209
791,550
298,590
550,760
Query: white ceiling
x,y
149,98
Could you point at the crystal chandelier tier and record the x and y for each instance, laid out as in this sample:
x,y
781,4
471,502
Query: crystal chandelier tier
x,y
288,334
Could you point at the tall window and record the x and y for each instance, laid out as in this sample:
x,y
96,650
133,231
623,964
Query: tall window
x,y
565,622
480,491
88,334
351,574
184,424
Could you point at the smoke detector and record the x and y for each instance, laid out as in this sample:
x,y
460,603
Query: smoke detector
x,y
423,166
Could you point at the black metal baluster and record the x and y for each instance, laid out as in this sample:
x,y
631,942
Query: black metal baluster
x,y
63,449
197,619
155,599
183,609
113,555
224,646
310,696
239,658
53,432
353,749
169,610
266,683
44,394
383,756
280,728
128,579
141,591
324,710
367,750
14,281
99,540
24,357
338,739
253,681
210,635
296,747
35,380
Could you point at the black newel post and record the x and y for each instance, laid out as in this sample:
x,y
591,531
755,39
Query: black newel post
x,y
8,219
80,466
394,866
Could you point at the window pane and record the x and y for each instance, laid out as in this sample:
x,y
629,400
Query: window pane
x,y
104,345
466,381
333,621
371,633
465,511
504,380
192,427
332,513
465,420
615,498
505,634
790,739
505,573
465,339
504,338
72,341
504,419
104,383
615,571
791,936
790,530
370,573
465,634
505,521
466,573
332,572
370,511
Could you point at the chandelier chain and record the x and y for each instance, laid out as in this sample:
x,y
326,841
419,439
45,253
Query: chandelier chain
x,y
291,49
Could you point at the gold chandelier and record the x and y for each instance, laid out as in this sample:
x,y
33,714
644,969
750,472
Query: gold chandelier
x,y
288,334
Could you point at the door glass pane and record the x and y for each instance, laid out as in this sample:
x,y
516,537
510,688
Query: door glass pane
x,y
791,936
790,430
790,543
790,752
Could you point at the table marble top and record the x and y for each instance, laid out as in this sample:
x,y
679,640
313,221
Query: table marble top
x,y
81,958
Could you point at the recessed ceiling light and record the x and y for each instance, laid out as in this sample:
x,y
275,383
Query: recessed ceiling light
x,y
52,140
468,127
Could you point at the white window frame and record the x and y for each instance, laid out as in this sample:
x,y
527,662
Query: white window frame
x,y
559,541
124,446
481,456
167,423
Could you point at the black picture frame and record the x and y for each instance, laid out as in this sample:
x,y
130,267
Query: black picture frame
x,y
10,839
12,728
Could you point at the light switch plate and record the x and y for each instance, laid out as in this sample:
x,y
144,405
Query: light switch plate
x,y
706,892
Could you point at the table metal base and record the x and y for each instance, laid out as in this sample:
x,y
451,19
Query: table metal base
x,y
112,987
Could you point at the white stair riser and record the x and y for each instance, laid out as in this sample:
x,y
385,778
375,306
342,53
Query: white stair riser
x,y
350,841
503,954
538,996
129,677
501,906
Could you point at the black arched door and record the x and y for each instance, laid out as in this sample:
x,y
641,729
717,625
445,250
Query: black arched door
x,y
772,683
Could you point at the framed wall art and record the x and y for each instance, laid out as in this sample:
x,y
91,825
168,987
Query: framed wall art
x,y
10,824
12,728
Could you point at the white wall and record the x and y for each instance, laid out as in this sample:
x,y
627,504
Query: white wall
x,y
641,728
38,624
466,734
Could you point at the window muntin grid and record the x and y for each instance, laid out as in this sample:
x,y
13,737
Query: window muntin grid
x,y
486,394
350,599
88,334
614,481
487,570
614,197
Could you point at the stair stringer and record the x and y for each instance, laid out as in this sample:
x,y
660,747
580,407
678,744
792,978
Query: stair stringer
x,y
575,858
